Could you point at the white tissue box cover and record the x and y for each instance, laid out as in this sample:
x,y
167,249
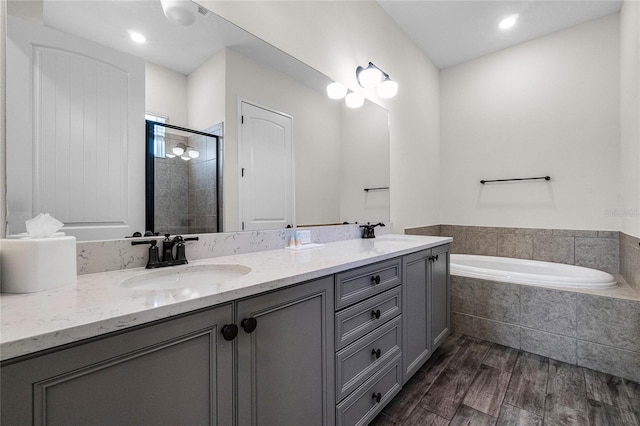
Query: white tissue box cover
x,y
36,264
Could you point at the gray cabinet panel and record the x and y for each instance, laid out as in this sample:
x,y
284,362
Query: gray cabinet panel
x,y
361,407
358,320
286,365
171,372
356,362
359,283
440,296
415,312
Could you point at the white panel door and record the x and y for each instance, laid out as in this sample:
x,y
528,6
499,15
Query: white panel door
x,y
266,169
75,133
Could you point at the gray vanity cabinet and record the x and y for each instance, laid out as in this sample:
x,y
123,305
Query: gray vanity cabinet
x,y
176,371
286,363
425,306
440,295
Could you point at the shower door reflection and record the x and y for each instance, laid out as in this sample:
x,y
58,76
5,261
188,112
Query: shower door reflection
x,y
183,179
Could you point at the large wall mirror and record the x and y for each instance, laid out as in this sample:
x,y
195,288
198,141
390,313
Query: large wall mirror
x,y
279,151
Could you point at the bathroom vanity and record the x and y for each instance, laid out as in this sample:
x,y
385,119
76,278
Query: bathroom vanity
x,y
325,336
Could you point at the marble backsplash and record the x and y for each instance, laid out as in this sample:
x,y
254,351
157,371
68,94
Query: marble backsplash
x,y
112,255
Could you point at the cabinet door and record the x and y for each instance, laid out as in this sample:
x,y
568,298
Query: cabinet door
x,y
286,364
416,327
440,296
172,372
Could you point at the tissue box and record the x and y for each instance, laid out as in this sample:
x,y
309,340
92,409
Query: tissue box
x,y
36,264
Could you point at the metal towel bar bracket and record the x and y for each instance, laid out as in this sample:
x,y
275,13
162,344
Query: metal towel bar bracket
x,y
509,180
382,188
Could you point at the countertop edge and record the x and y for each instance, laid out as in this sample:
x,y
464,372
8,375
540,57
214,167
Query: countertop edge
x,y
30,345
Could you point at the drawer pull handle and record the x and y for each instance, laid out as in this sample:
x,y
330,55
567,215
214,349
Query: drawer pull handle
x,y
249,324
377,396
375,279
376,353
229,331
376,313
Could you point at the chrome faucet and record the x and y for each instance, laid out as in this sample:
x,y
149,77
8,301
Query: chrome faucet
x,y
168,259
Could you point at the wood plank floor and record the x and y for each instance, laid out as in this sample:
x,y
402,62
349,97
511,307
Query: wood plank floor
x,y
473,382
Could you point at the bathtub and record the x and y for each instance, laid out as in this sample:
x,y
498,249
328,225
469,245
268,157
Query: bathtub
x,y
530,272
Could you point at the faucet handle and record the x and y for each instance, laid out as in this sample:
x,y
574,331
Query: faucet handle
x,y
154,258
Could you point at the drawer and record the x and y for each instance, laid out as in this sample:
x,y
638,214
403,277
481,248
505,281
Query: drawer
x,y
360,360
360,283
355,321
361,407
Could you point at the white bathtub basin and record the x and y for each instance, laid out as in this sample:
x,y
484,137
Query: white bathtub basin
x,y
531,272
178,277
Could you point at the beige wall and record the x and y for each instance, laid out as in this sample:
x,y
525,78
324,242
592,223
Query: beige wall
x,y
166,93
546,107
206,93
316,131
630,118
3,127
335,37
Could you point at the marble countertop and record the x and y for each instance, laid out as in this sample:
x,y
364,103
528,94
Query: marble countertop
x,y
97,304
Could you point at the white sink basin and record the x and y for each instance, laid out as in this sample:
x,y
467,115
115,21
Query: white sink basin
x,y
177,277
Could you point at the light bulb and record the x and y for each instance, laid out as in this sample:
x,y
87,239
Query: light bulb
x,y
137,37
354,100
368,77
387,89
508,22
169,155
193,153
185,157
336,90
178,149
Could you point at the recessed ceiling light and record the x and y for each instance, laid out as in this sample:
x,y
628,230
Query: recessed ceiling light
x,y
508,22
137,37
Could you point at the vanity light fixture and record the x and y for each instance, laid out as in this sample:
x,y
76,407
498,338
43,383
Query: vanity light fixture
x,y
508,22
373,76
387,89
169,155
137,37
183,151
191,152
179,149
354,100
336,90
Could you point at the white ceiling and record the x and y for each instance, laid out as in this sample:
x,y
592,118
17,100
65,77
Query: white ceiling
x,y
176,47
450,32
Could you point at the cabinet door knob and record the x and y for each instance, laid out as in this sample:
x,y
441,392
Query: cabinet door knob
x,y
376,353
229,331
249,324
377,396
376,313
375,279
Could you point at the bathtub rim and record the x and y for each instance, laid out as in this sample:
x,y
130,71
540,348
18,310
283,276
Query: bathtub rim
x,y
542,280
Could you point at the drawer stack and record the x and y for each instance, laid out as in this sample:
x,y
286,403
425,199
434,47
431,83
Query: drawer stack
x,y
368,340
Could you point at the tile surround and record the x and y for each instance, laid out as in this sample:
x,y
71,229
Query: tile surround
x,y
594,249
630,260
590,330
